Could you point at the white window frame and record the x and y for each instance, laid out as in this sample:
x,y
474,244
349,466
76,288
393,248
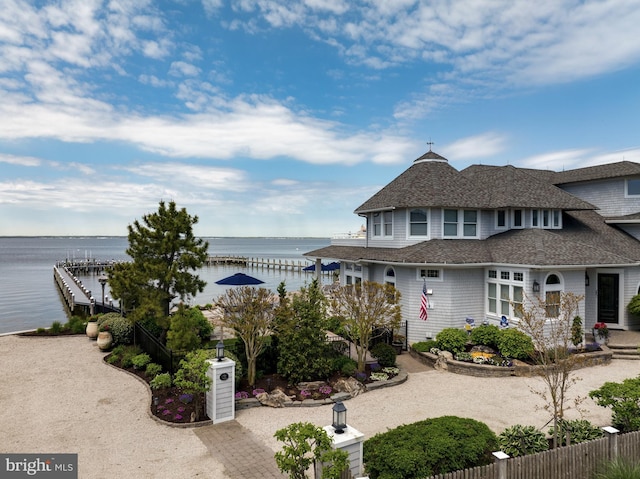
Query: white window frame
x,y
430,274
390,278
379,224
626,187
514,225
509,284
461,223
553,288
505,219
546,218
427,212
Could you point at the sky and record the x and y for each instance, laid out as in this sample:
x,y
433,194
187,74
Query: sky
x,y
279,118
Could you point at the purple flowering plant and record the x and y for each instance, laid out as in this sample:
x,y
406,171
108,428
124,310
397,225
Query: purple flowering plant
x,y
242,395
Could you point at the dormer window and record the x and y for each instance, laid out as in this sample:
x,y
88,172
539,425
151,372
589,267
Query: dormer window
x,y
633,187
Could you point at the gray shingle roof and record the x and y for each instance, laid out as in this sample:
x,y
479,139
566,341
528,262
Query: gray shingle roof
x,y
432,182
600,172
584,240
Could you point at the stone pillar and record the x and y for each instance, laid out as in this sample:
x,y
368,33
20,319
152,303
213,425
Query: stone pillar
x,y
350,441
220,399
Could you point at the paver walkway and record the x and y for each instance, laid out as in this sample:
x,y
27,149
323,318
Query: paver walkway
x,y
239,451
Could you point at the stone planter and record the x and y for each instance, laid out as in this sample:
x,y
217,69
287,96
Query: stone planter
x,y
92,329
105,340
598,337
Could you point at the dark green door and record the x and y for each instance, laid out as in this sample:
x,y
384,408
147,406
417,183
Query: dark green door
x,y
608,291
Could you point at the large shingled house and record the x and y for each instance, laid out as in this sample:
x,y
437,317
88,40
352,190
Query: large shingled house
x,y
487,237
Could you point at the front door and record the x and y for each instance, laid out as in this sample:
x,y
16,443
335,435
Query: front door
x,y
608,297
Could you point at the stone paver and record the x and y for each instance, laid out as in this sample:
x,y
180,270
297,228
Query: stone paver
x,y
241,453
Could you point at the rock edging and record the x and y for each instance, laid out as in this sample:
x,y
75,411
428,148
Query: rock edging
x,y
519,368
399,378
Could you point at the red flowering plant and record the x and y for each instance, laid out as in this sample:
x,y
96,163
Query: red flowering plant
x,y
601,330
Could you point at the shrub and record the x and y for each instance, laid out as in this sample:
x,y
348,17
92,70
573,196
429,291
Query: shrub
x,y
515,344
425,346
521,440
141,360
103,318
452,339
385,354
577,332
76,325
161,381
581,430
128,353
486,335
153,369
429,447
120,328
349,368
56,327
634,305
624,401
618,468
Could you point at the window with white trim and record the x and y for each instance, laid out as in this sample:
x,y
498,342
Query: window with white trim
x,y
632,187
419,222
547,219
501,219
387,219
553,288
505,293
460,223
382,224
517,218
429,274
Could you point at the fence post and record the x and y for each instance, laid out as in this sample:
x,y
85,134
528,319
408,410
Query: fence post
x,y
612,440
501,462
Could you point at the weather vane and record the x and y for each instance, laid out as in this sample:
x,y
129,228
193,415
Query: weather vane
x,y
429,143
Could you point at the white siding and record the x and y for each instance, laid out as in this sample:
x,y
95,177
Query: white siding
x,y
608,195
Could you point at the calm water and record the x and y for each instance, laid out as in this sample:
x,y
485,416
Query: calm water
x,y
29,297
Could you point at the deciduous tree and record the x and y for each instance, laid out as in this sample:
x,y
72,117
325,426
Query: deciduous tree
x,y
249,312
365,308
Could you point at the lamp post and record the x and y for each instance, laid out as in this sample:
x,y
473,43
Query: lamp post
x,y
220,350
102,279
339,417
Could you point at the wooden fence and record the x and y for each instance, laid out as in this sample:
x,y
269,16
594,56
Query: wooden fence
x,y
573,462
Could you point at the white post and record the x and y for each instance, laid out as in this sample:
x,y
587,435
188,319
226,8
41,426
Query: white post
x,y
501,461
220,399
350,441
612,435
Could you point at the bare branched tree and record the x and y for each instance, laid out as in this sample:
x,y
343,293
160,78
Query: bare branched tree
x,y
249,312
550,328
364,308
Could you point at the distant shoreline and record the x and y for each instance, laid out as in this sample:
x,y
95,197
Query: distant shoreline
x,y
203,237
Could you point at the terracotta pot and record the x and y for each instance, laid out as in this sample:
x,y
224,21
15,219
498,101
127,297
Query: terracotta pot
x,y
105,340
92,329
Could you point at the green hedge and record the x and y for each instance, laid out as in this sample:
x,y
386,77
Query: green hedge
x,y
452,339
429,447
515,344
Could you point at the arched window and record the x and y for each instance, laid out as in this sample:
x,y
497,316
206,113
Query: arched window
x,y
390,276
553,288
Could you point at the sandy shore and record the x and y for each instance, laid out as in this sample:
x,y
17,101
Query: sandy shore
x,y
57,396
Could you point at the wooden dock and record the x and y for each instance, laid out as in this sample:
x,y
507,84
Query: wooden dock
x,y
269,263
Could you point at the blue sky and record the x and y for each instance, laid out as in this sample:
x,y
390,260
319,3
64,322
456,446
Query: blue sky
x,y
279,118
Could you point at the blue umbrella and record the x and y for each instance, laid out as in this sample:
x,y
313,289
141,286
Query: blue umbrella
x,y
239,279
325,267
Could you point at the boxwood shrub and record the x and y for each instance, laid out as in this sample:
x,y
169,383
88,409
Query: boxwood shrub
x,y
486,335
515,344
452,339
385,354
425,346
429,447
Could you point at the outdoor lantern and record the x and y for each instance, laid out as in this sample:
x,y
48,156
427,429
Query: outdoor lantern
x,y
536,286
339,417
586,279
220,350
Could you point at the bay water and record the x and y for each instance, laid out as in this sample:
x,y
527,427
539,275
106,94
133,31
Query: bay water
x,y
29,297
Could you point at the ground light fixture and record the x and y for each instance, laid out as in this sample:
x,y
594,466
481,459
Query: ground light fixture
x,y
220,350
339,417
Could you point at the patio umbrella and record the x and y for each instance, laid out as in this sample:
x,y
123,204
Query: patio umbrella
x,y
239,279
332,266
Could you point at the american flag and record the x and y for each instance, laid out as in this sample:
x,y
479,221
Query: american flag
x,y
424,302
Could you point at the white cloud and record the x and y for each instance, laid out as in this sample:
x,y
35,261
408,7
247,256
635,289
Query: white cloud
x,y
183,69
579,158
478,146
20,160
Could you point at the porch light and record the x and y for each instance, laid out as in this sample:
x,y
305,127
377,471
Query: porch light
x,y
339,417
220,350
536,286
586,279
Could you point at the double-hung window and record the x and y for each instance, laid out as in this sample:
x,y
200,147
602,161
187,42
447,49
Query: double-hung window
x,y
382,224
460,223
418,222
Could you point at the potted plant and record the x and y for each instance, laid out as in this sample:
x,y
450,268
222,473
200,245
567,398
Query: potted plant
x,y
600,333
398,343
92,328
105,339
